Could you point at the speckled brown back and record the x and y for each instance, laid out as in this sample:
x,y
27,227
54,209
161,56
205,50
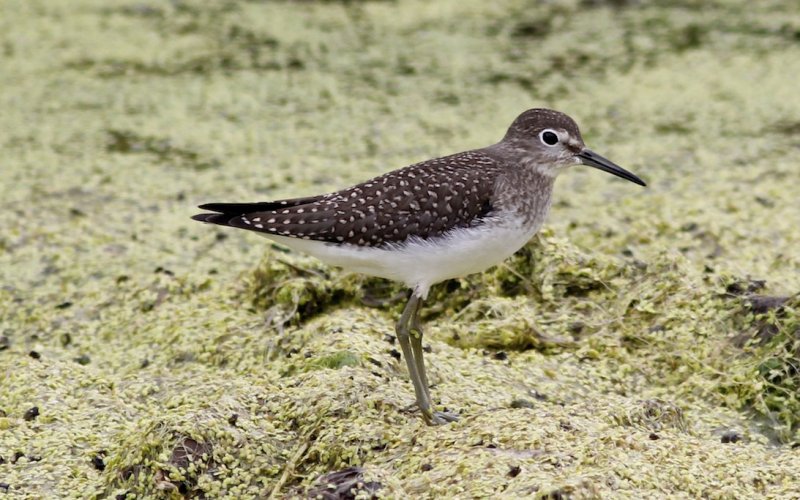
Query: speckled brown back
x,y
425,200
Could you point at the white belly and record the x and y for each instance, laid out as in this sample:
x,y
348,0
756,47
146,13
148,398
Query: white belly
x,y
421,263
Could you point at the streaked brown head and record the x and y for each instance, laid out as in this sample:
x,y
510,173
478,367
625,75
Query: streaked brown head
x,y
553,142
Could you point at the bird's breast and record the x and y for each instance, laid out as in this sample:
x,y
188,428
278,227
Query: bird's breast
x,y
524,196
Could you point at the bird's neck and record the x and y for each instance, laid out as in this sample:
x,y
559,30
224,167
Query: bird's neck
x,y
524,191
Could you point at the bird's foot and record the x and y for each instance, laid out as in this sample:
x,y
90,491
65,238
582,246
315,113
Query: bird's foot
x,y
439,417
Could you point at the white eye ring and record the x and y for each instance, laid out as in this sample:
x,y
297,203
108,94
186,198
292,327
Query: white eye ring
x,y
549,137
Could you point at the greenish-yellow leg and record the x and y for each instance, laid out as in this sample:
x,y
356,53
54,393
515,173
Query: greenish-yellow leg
x,y
409,334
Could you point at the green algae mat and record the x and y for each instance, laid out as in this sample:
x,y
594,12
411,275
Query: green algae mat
x,y
646,344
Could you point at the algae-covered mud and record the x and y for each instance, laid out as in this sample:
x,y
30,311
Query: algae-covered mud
x,y
645,344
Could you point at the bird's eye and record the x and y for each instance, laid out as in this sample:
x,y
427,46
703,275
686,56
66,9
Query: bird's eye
x,y
548,137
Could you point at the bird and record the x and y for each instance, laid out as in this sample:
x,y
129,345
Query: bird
x,y
432,221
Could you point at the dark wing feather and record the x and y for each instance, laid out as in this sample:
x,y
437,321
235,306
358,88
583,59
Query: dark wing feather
x,y
261,206
423,200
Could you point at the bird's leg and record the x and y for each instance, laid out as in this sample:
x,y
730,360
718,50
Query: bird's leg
x,y
435,417
403,337
416,346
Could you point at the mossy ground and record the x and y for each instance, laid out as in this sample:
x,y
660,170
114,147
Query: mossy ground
x,y
645,345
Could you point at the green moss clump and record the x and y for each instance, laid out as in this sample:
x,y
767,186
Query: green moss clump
x,y
653,415
337,360
765,376
292,290
197,444
501,323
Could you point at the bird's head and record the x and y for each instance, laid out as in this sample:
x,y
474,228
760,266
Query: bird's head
x,y
552,142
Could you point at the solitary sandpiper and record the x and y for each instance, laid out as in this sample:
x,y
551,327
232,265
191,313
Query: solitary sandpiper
x,y
431,221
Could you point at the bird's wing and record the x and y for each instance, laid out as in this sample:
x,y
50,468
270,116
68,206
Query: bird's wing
x,y
425,200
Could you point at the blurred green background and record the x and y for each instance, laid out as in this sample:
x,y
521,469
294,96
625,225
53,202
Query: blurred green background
x,y
645,345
